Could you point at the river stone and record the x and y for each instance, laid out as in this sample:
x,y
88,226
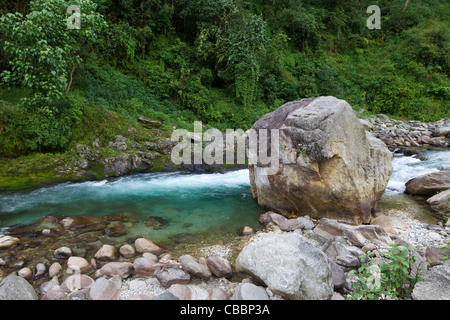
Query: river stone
x,y
394,226
127,251
429,184
106,253
16,288
189,292
219,266
192,266
144,245
78,264
289,265
25,273
103,289
435,284
78,222
435,254
41,269
248,291
78,282
123,269
329,166
359,235
144,267
442,131
344,255
166,296
55,293
440,202
54,269
172,275
7,241
246,231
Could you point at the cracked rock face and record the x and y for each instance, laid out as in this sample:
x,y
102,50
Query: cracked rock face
x,y
329,166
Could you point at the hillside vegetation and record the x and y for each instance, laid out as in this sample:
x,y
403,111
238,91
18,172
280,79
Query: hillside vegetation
x,y
224,62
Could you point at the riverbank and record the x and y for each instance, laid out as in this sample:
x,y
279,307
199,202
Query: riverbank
x,y
401,135
143,270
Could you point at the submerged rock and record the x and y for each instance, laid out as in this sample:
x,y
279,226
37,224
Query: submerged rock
x,y
329,166
8,241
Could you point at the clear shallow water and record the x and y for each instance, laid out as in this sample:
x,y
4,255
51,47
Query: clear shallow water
x,y
184,203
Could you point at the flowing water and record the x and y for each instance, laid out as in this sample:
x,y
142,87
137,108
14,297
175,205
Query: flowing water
x,y
395,202
173,204
164,204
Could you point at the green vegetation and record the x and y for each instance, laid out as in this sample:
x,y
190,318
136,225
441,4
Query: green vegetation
x,y
224,62
395,278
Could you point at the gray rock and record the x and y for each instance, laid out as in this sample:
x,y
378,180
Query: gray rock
x,y
435,284
189,292
166,296
55,293
123,269
119,143
144,266
248,291
440,202
104,289
359,235
16,288
289,265
338,275
172,275
442,131
192,266
344,255
46,286
308,224
219,266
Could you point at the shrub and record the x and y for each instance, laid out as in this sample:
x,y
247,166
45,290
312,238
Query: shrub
x,y
395,278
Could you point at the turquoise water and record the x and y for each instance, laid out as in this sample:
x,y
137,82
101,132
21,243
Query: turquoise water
x,y
179,202
167,205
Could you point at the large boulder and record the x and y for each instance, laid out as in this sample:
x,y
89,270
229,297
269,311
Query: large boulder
x,y
429,184
329,165
289,265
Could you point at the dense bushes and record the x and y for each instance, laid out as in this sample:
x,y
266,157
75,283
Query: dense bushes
x,y
225,62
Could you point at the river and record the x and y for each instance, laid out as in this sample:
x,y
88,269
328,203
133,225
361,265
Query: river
x,y
167,205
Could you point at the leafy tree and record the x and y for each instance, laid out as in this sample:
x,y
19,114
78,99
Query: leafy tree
x,y
43,51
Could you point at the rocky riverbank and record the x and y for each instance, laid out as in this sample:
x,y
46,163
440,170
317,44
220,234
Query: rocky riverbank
x,y
87,268
400,135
